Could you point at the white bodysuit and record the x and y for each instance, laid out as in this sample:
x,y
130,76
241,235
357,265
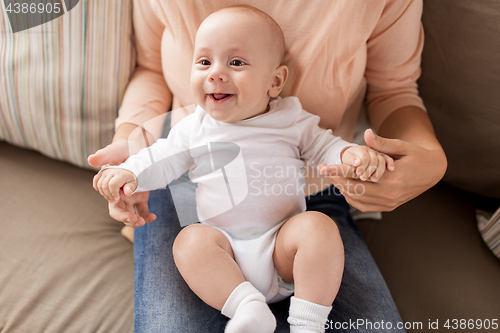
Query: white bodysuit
x,y
249,175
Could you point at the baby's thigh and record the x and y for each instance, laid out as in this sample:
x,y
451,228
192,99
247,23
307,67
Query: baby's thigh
x,y
198,237
311,231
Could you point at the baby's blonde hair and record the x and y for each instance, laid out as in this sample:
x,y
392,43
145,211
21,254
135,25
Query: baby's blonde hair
x,y
277,34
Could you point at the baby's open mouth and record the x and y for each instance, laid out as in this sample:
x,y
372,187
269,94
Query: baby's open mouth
x,y
219,97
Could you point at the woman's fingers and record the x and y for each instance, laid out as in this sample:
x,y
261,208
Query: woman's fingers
x,y
132,211
365,207
363,195
125,212
122,211
393,147
389,161
142,210
113,154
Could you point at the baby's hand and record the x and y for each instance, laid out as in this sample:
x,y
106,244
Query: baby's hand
x,y
369,163
110,181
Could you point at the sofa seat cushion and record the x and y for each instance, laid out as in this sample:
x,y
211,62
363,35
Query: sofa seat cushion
x,y
433,258
64,267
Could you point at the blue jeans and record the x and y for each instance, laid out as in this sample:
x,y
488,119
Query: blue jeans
x,y
164,302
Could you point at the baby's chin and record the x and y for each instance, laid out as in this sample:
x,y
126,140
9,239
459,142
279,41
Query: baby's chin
x,y
230,114
224,116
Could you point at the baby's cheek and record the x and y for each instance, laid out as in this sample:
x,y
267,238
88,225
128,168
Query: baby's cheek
x,y
197,86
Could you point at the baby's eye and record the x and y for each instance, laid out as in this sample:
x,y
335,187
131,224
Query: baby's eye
x,y
237,63
205,62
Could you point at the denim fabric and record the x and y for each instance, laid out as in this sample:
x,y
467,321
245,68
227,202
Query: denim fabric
x,y
164,302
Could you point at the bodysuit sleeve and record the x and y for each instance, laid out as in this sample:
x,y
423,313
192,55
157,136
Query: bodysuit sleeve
x,y
318,145
147,94
164,161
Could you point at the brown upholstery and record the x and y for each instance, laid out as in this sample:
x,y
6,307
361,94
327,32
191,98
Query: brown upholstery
x,y
460,85
64,267
433,258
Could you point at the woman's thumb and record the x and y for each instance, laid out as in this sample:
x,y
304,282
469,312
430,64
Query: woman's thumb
x,y
113,153
391,147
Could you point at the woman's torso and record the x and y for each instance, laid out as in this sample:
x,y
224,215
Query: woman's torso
x,y
326,51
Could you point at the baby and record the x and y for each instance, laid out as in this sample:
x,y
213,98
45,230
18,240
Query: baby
x,y
259,246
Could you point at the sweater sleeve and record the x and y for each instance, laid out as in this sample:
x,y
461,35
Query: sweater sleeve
x,y
318,145
164,161
147,94
393,61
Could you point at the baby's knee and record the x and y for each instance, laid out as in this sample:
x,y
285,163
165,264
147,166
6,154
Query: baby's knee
x,y
318,226
188,240
195,238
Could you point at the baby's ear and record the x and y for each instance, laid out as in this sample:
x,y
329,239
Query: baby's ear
x,y
279,79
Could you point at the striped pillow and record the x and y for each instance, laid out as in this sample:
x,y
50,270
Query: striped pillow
x,y
489,227
61,83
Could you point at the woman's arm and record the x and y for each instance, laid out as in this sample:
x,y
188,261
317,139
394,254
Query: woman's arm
x,y
147,96
397,113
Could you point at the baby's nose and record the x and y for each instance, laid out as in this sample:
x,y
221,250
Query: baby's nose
x,y
216,78
217,75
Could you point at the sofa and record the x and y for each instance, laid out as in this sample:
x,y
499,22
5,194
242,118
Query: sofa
x,y
65,267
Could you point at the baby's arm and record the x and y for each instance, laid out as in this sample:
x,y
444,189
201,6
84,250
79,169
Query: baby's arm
x,y
109,182
369,163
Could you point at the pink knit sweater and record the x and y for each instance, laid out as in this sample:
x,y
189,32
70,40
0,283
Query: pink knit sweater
x,y
340,53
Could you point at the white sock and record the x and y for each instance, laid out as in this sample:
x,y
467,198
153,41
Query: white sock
x,y
248,311
307,317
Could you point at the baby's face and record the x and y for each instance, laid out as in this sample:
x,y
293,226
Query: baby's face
x,y
233,68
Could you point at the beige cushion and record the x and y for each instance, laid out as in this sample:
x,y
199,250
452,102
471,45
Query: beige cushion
x,y
61,82
434,260
460,86
64,267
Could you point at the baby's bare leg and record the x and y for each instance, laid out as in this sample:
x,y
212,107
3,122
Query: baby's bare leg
x,y
309,253
205,260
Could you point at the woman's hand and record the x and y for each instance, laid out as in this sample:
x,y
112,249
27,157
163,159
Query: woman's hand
x,y
131,210
417,169
113,154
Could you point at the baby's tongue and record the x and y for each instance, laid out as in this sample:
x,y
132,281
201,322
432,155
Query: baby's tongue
x,y
220,96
